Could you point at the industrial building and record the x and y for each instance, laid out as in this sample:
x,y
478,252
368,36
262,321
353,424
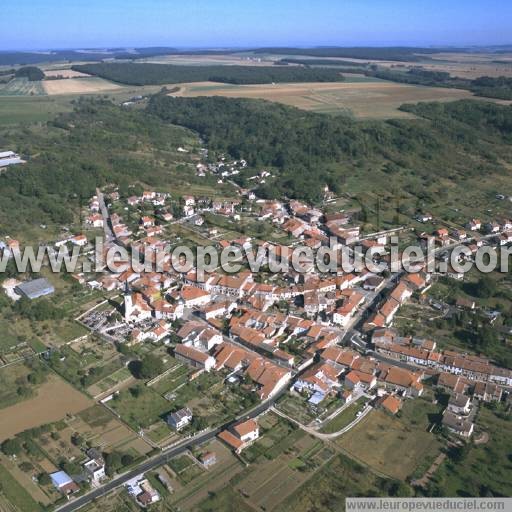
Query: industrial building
x,y
35,288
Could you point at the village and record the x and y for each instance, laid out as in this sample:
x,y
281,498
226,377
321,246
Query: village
x,y
320,351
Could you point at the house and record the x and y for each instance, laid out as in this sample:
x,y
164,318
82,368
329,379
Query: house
x,y
459,404
321,378
95,466
133,200
241,435
347,396
141,489
464,303
402,380
80,240
147,221
487,392
459,234
474,224
390,403
208,459
95,220
389,309
492,227
356,379
64,483
193,296
194,357
457,424
424,217
179,419
401,293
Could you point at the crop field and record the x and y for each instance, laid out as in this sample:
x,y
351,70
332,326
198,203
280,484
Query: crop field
x,y
362,98
78,86
64,73
53,400
21,87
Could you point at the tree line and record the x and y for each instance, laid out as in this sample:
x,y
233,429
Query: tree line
x,y
159,74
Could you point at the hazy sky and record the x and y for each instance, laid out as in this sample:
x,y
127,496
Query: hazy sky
x,y
41,24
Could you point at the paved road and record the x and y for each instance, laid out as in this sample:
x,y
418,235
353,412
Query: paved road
x,y
109,234
162,458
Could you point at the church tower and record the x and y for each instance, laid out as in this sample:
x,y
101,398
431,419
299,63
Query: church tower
x,y
128,303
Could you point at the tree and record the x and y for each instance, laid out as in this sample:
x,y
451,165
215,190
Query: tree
x,y
11,447
33,73
77,439
44,479
150,367
486,287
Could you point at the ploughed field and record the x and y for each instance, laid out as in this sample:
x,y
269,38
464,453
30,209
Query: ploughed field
x,y
362,97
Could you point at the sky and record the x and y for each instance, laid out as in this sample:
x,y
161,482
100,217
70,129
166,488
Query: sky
x,y
53,24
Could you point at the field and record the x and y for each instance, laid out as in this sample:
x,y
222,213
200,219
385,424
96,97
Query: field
x,y
13,496
393,446
87,85
362,97
21,87
64,73
53,401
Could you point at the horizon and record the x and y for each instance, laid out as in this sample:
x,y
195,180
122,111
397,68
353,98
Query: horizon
x,y
302,23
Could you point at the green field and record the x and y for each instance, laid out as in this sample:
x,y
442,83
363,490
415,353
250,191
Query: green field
x,y
15,494
393,446
345,417
31,109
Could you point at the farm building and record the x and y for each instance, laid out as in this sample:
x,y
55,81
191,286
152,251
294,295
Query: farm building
x,y
35,288
9,158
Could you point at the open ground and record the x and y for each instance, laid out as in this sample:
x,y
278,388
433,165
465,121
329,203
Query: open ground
x,y
362,97
53,401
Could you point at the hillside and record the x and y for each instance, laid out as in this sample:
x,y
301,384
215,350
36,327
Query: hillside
x,y
454,142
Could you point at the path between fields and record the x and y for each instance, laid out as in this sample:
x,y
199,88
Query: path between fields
x,y
320,435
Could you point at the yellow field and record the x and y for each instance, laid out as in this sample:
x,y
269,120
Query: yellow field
x,y
55,398
64,73
364,99
79,86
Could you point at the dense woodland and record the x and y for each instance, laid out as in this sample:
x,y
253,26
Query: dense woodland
x,y
97,144
311,150
158,74
401,53
32,73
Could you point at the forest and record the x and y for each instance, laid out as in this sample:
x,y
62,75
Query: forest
x,y
401,53
32,73
311,150
98,143
159,74
486,86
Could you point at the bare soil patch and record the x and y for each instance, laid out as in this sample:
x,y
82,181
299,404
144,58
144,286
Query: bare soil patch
x,y
78,86
53,401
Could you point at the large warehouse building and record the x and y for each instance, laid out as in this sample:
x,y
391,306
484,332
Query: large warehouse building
x,y
36,288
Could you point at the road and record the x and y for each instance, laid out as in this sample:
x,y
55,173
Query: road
x,y
162,458
109,234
